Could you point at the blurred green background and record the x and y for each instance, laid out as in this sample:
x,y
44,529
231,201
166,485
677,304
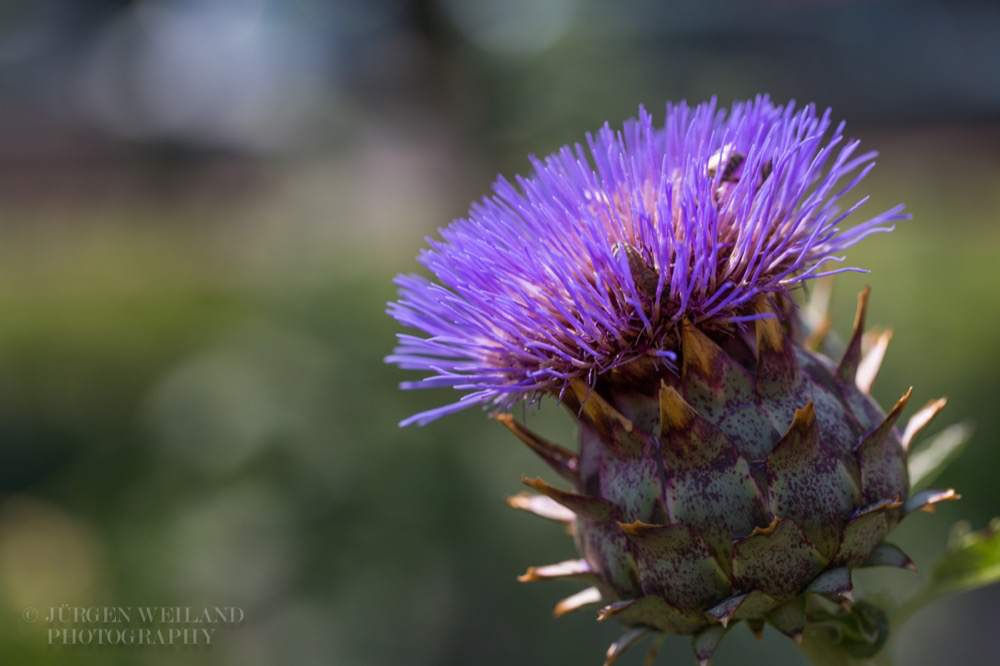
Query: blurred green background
x,y
203,205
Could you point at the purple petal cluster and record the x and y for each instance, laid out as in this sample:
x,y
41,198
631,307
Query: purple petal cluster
x,y
589,263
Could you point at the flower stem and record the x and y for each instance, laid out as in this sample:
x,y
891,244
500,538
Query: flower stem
x,y
819,646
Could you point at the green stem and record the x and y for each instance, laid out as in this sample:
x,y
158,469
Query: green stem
x,y
822,650
913,604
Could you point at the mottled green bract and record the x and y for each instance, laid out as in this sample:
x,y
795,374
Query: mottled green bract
x,y
746,486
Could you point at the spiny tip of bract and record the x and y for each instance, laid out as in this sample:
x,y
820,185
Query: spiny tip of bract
x,y
588,597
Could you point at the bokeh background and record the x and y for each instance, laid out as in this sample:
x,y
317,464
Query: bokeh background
x,y
203,204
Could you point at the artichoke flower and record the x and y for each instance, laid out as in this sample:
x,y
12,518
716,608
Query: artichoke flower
x,y
727,470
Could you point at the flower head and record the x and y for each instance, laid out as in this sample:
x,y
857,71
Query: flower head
x,y
592,261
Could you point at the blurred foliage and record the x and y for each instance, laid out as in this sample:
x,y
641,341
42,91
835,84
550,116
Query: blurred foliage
x,y
193,404
972,559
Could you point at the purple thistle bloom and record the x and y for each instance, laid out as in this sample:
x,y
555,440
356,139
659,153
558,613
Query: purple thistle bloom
x,y
592,261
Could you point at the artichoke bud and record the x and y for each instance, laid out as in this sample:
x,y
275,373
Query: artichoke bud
x,y
726,469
